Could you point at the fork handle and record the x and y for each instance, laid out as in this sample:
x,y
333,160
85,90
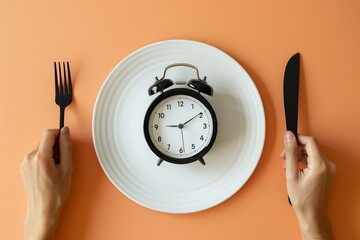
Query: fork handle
x,y
62,116
56,150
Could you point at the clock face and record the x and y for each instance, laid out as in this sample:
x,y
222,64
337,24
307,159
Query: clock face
x,y
180,126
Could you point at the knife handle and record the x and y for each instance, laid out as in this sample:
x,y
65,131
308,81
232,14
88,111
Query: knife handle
x,y
296,135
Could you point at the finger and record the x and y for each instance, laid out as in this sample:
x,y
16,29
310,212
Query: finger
x,y
47,142
291,155
312,150
65,149
282,154
301,152
301,149
33,152
28,160
332,168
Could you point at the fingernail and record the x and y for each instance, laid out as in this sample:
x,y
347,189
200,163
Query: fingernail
x,y
66,131
288,137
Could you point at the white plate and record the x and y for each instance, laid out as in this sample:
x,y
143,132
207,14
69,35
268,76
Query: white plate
x,y
123,152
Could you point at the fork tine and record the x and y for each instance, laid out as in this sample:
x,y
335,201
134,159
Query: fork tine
x,y
56,80
66,92
63,95
61,84
69,76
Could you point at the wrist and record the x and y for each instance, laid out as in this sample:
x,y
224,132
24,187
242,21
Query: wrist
x,y
314,228
41,225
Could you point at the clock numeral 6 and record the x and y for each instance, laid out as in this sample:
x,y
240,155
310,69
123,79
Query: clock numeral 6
x,y
181,150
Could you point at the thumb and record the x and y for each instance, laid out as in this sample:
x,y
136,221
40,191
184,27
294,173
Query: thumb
x,y
65,149
291,155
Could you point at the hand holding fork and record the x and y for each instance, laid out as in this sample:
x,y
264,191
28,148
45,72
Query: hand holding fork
x,y
63,97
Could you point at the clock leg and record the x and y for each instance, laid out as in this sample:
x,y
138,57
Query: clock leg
x,y
202,161
159,161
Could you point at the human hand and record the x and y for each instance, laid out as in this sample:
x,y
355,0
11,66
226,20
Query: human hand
x,y
308,187
46,184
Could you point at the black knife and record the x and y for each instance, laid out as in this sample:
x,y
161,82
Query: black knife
x,y
291,94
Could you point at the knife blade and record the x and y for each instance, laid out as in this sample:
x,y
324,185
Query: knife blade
x,y
291,94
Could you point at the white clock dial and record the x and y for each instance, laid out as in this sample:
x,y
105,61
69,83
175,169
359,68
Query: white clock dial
x,y
180,126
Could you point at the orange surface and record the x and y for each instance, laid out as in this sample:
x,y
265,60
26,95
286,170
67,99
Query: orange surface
x,y
261,35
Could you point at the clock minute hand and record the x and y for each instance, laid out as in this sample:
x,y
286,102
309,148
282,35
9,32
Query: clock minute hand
x,y
191,119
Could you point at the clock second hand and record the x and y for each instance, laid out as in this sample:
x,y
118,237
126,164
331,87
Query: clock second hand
x,y
182,139
181,126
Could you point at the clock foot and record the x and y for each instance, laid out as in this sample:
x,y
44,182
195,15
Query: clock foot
x,y
159,162
202,161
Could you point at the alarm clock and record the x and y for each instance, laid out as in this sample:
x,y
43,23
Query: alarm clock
x,y
180,125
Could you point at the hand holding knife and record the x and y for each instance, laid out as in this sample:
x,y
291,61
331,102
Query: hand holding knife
x,y
291,94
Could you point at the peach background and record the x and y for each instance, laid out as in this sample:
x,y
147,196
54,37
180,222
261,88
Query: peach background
x,y
261,35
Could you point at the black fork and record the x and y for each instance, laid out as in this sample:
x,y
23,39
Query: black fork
x,y
63,97
63,89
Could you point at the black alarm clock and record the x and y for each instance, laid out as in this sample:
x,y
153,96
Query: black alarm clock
x,y
180,125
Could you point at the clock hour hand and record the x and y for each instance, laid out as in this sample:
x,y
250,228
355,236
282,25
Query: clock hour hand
x,y
173,125
191,119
